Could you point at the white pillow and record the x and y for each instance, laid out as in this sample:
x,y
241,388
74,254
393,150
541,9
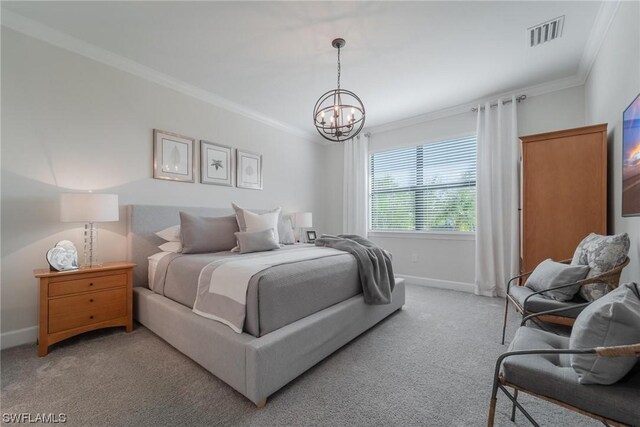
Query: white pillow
x,y
153,265
257,222
260,222
175,247
170,234
285,230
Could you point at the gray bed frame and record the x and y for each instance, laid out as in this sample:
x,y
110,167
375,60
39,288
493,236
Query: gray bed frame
x,y
255,367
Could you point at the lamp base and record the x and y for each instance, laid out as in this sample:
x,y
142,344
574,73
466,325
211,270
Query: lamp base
x,y
90,246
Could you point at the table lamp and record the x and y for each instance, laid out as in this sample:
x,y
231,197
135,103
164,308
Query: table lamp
x,y
303,220
89,208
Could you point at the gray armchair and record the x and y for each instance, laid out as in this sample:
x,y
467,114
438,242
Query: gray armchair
x,y
537,363
527,301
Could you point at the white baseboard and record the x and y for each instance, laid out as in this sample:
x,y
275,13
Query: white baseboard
x,y
438,283
19,337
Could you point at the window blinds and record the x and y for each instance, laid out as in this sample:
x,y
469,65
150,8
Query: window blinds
x,y
429,187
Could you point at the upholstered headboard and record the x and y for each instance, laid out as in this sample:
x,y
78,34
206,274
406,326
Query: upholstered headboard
x,y
144,221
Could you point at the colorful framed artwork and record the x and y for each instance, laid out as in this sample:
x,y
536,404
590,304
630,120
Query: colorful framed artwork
x,y
217,164
249,170
173,156
631,159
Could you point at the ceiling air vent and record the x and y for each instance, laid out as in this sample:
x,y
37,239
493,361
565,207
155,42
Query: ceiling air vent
x,y
545,32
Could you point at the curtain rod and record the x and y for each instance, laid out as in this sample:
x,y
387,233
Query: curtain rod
x,y
508,101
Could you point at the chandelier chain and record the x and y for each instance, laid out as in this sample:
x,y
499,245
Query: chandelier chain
x,y
338,67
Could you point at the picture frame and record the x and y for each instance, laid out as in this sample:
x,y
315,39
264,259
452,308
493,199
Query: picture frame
x,y
248,170
311,236
173,156
217,164
631,159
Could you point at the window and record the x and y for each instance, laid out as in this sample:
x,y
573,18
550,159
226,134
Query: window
x,y
431,187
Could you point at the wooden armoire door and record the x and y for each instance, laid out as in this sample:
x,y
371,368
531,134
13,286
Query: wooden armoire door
x,y
564,192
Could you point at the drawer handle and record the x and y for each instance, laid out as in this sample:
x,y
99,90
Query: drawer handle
x,y
91,284
91,300
90,317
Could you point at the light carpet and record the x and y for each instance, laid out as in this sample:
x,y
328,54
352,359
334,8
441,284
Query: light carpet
x,y
429,364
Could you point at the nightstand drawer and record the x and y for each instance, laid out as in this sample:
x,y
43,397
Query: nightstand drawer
x,y
93,283
80,310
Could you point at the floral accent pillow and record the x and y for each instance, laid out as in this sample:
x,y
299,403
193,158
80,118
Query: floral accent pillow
x,y
601,254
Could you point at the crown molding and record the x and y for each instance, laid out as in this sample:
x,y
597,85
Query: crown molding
x,y
599,31
54,37
530,91
16,22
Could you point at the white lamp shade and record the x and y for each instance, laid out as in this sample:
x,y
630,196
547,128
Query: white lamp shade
x,y
304,219
88,207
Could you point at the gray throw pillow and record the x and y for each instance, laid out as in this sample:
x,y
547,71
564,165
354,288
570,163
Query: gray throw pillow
x,y
612,320
549,274
256,241
601,254
207,234
285,230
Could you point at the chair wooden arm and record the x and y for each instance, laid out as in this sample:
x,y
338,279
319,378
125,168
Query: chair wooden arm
x,y
611,277
619,350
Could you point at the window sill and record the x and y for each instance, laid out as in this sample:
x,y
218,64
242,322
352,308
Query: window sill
x,y
431,235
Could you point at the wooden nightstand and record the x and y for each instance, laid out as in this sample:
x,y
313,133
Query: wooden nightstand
x,y
73,302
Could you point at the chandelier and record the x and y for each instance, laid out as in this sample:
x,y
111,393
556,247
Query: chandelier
x,y
339,113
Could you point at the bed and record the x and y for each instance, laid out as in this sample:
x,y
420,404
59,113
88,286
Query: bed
x,y
290,324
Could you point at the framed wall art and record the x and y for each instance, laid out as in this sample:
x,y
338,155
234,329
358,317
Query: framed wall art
x,y
311,236
173,156
216,164
631,159
249,170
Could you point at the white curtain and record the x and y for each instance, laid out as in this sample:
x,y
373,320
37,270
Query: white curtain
x,y
497,229
355,191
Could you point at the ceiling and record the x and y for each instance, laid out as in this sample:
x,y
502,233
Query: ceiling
x,y
275,58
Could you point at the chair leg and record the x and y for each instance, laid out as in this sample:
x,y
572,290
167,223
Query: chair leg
x,y
506,311
494,392
492,412
513,406
519,406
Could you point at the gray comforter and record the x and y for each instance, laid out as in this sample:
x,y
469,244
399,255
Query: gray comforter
x,y
374,265
276,297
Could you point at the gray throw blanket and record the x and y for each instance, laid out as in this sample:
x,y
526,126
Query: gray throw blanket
x,y
374,265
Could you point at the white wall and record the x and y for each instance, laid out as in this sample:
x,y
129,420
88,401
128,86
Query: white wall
x,y
332,179
437,259
69,123
613,83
